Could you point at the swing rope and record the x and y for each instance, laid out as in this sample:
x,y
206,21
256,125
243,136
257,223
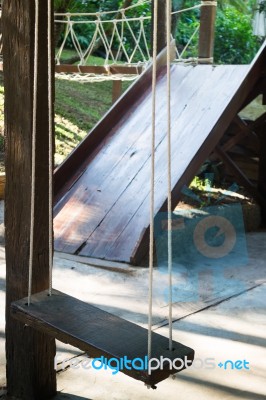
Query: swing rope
x,y
152,181
33,148
50,129
169,169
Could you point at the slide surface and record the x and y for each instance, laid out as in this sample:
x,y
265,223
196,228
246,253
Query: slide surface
x,y
102,190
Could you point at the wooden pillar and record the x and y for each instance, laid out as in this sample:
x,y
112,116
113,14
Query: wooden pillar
x,y
161,34
262,168
30,355
206,34
117,90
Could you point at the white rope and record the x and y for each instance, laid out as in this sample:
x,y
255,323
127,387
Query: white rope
x,y
187,9
180,56
151,246
91,77
33,147
122,29
139,3
50,132
169,157
208,3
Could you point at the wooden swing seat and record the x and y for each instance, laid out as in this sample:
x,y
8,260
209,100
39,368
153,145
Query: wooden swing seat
x,y
97,332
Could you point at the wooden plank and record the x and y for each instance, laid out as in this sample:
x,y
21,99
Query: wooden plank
x,y
188,135
114,222
206,33
95,262
107,176
76,162
241,177
99,69
30,354
259,88
199,135
97,332
244,130
117,90
262,167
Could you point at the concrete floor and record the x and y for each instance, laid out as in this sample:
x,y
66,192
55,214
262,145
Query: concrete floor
x,y
227,322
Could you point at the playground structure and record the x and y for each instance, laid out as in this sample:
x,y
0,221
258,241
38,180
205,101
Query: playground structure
x,y
108,171
122,35
34,375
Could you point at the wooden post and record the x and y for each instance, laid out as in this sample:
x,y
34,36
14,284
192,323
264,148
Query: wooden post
x,y
206,34
117,90
161,34
30,355
262,167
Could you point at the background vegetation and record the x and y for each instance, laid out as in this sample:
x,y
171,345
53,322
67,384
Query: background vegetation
x,y
80,106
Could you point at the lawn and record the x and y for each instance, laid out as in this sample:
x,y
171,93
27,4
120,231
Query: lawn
x,y
78,107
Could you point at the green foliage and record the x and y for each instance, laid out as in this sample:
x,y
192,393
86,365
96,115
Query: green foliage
x,y
234,41
201,184
186,26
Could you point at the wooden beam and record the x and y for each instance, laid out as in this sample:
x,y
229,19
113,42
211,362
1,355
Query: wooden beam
x,y
206,34
244,130
99,333
259,88
240,176
30,354
117,90
99,69
262,167
73,165
161,27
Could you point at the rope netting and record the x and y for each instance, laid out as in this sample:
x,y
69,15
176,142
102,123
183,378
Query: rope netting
x,y
114,45
121,38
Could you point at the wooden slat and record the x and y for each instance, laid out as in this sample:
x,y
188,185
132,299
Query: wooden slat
x,y
105,213
240,176
115,222
70,170
97,332
110,173
99,69
188,135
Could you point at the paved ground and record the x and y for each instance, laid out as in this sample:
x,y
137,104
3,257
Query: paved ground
x,y
226,323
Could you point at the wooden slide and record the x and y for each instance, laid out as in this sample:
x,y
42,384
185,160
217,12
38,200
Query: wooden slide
x,y
102,190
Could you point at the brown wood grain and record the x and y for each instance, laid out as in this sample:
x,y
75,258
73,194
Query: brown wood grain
x,y
30,354
98,69
104,213
97,332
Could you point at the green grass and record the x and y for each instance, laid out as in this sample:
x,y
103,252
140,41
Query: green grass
x,y
91,60
78,107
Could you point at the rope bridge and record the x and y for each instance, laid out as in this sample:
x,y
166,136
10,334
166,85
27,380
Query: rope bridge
x,y
122,36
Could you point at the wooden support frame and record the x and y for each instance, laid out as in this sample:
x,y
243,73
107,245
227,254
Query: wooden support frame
x,y
99,69
30,354
161,28
206,34
240,176
244,130
262,163
116,90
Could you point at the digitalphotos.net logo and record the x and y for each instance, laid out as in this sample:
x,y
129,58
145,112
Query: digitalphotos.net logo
x,y
115,365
